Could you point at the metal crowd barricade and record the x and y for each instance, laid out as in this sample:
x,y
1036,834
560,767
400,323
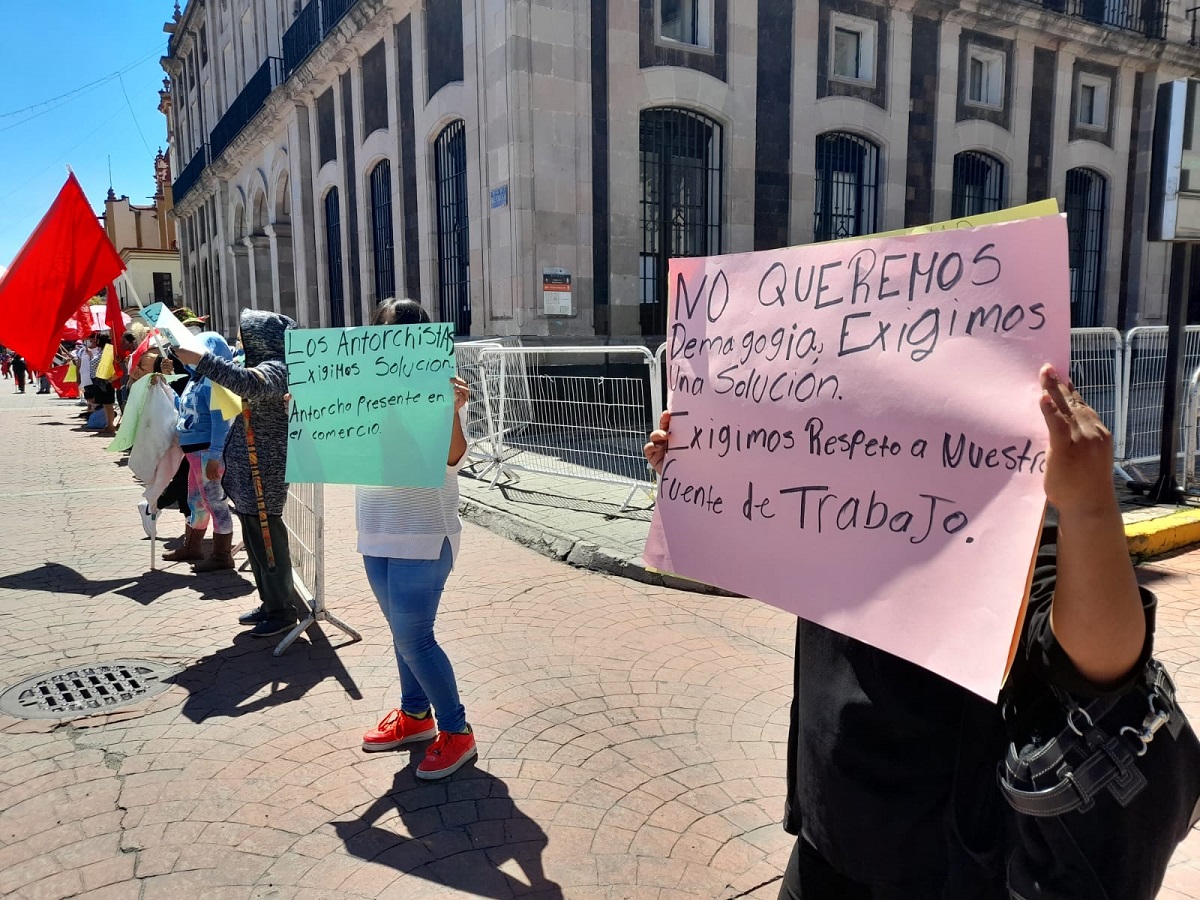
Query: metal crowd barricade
x,y
1098,373
1191,432
467,363
478,430
304,517
660,362
546,418
1145,380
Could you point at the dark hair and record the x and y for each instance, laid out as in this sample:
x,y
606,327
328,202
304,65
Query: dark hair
x,y
129,338
103,340
400,312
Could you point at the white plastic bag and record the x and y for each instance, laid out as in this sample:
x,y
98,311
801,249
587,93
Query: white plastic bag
x,y
156,432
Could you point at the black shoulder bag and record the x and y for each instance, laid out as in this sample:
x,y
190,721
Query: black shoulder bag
x,y
1102,804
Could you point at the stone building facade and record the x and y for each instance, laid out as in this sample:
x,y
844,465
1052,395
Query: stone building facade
x,y
144,235
528,166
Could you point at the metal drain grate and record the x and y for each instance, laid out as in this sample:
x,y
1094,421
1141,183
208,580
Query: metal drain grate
x,y
86,689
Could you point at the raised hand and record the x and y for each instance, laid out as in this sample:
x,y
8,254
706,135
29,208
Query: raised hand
x,y
1079,463
462,393
656,448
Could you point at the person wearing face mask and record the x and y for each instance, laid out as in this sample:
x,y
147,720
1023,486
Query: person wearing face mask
x,y
259,488
192,322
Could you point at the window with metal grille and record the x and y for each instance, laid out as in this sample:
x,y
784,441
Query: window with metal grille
x,y
454,274
978,184
1087,195
681,200
333,259
846,199
381,231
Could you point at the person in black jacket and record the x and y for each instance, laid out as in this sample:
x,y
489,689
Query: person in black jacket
x,y
19,369
891,768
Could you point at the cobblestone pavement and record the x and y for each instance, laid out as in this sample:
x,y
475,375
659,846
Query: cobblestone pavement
x,y
632,737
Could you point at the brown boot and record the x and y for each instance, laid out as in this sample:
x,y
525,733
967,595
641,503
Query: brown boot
x,y
222,555
190,549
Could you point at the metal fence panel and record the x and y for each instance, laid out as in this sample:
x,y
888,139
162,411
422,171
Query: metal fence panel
x,y
1099,374
479,433
1145,379
545,417
304,517
1191,430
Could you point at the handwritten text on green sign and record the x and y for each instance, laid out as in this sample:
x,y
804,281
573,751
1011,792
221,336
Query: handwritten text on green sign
x,y
370,405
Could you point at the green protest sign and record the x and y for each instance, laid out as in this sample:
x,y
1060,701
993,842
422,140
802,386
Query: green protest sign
x,y
370,405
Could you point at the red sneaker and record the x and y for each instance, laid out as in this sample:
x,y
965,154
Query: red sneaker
x,y
448,753
397,728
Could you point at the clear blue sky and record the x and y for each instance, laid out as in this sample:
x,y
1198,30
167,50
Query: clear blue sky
x,y
52,48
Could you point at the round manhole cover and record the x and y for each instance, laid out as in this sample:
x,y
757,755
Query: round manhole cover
x,y
86,689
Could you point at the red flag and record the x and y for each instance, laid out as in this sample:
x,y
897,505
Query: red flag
x,y
67,390
83,322
67,259
116,326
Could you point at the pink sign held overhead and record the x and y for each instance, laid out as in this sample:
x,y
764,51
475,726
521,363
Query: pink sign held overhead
x,y
856,438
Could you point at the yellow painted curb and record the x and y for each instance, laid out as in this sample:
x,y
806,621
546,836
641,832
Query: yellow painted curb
x,y
1154,537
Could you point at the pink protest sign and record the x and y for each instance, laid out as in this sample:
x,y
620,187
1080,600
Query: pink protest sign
x,y
856,438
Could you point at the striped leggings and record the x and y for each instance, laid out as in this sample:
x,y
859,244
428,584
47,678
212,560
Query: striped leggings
x,y
207,498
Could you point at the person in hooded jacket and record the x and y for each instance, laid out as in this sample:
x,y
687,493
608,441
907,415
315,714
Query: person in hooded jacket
x,y
262,383
203,431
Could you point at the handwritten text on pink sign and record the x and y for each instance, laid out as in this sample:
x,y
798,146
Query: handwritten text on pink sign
x,y
856,437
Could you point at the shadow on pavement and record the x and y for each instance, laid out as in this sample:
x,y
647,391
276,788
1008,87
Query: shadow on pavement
x,y
246,677
55,578
470,811
579,504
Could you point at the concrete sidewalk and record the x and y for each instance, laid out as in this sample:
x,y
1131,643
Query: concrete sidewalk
x,y
632,737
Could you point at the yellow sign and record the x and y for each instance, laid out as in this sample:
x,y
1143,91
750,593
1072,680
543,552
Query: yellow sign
x,y
1013,214
229,403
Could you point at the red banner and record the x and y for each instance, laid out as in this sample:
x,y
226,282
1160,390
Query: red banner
x,y
66,260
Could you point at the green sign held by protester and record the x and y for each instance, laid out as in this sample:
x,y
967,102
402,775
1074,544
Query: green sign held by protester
x,y
370,405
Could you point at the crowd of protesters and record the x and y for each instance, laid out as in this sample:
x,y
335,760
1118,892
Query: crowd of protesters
x,y
14,367
933,827
233,467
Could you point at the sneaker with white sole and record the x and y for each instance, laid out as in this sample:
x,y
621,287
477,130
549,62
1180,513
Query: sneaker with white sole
x,y
149,519
449,752
398,728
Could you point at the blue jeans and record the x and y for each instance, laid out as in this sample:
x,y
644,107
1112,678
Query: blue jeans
x,y
409,591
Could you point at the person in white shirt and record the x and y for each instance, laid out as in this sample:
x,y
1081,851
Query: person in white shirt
x,y
83,365
408,538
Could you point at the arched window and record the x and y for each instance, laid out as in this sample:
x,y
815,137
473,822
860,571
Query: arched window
x,y
454,248
239,223
681,200
1087,196
333,259
260,214
978,184
846,199
381,231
